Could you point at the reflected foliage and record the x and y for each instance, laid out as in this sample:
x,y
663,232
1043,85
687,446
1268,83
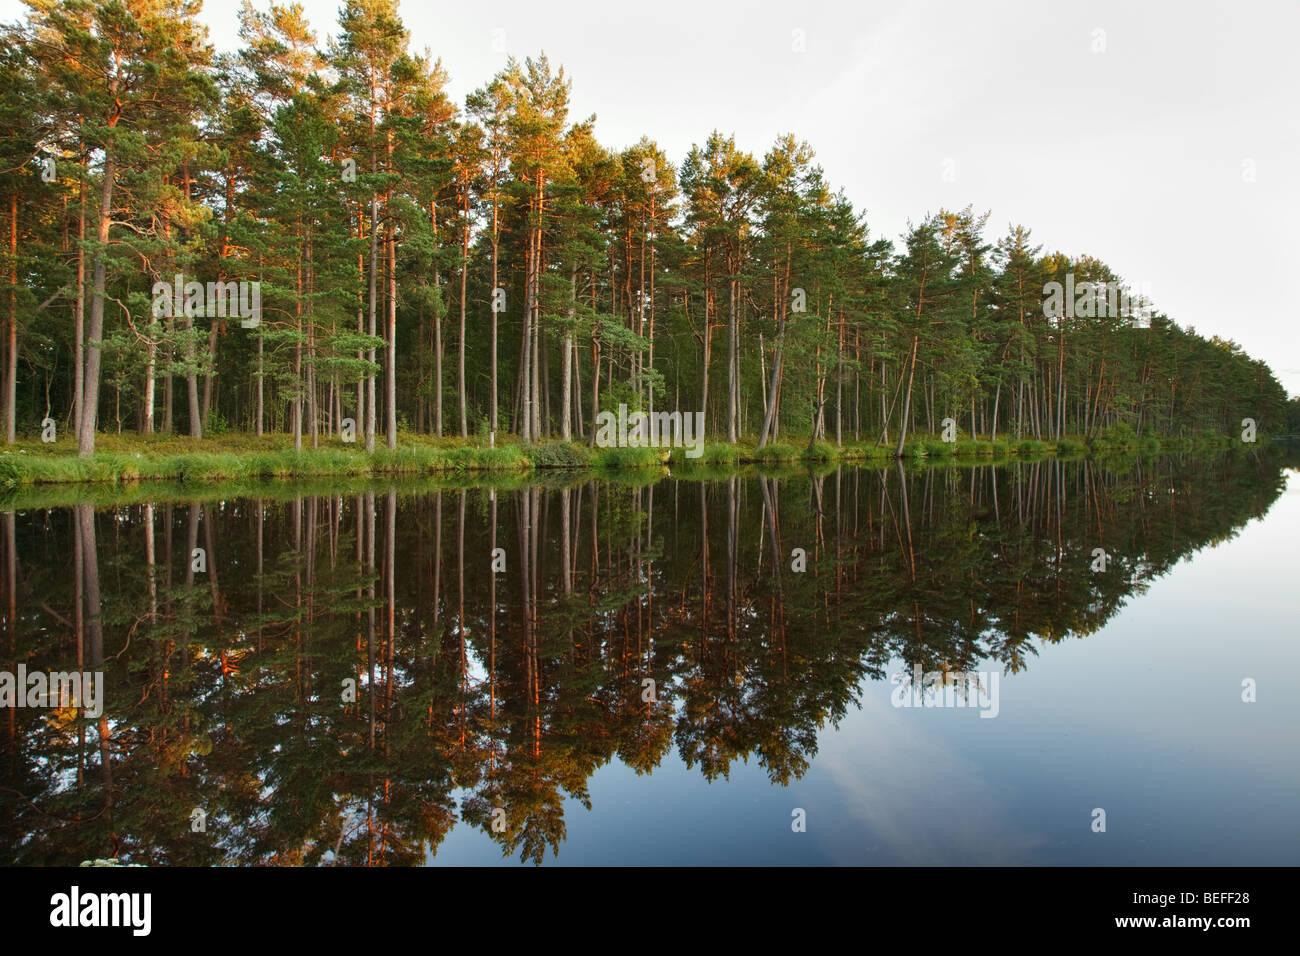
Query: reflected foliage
x,y
347,678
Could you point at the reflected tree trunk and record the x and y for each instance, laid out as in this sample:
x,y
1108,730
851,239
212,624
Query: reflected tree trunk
x,y
369,517
11,610
733,551
390,600
95,642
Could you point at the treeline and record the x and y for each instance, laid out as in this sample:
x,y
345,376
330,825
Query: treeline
x,y
491,267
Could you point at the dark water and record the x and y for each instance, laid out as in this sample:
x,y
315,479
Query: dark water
x,y
508,716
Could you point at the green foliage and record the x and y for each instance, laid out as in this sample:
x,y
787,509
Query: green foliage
x,y
200,674
628,458
717,453
777,452
820,451
1119,436
236,169
559,454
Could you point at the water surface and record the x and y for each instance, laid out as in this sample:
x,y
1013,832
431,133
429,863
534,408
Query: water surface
x,y
666,671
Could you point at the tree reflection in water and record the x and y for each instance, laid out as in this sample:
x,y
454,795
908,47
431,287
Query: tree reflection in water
x,y
227,689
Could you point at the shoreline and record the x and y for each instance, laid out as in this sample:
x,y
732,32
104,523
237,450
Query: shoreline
x,y
128,462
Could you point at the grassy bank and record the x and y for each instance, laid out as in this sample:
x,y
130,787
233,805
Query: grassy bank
x,y
240,459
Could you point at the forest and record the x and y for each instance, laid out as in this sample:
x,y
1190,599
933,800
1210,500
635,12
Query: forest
x,y
490,272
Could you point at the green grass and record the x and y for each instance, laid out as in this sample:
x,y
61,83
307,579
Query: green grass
x,y
1192,443
1071,447
614,459
776,452
721,454
178,460
821,451
238,459
560,454
868,451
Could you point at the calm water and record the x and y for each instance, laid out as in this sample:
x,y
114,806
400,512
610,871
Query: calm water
x,y
337,673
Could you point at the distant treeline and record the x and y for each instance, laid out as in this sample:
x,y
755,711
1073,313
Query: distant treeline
x,y
386,255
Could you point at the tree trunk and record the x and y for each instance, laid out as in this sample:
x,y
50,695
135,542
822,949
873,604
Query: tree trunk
x,y
390,384
90,414
79,317
11,363
525,358
733,365
460,358
207,376
907,401
371,394
566,361
495,249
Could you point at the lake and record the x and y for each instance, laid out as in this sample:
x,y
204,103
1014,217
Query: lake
x,y
1098,660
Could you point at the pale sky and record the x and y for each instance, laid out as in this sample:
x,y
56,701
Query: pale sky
x,y
1142,154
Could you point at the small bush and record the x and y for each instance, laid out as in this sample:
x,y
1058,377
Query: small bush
x,y
720,453
620,458
1119,435
820,451
11,475
501,458
560,454
777,451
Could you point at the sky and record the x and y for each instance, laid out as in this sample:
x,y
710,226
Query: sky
x,y
1160,137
